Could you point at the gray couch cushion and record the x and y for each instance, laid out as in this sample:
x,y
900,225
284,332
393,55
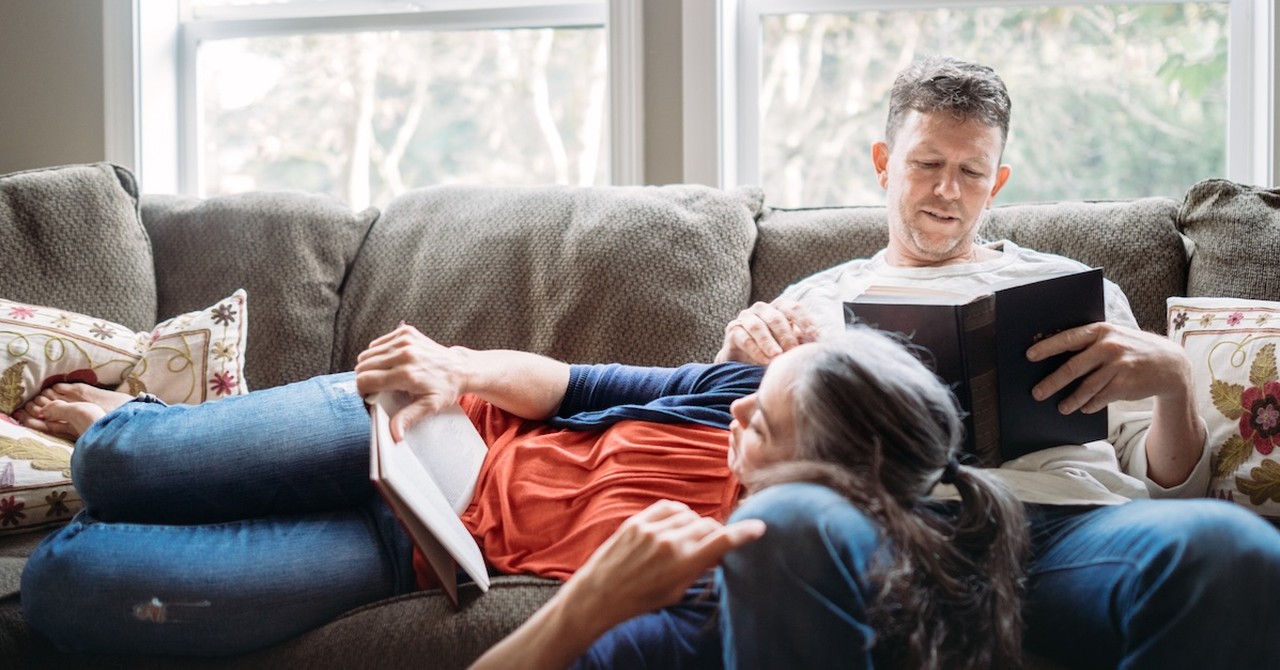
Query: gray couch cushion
x,y
795,243
72,240
1236,231
1135,242
289,251
644,275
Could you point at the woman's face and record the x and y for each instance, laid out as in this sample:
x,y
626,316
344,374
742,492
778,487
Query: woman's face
x,y
763,428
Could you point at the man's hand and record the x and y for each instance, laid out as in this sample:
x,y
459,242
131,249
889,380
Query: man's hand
x,y
764,330
1114,363
406,360
1117,363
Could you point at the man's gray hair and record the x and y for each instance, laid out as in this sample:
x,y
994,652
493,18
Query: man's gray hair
x,y
967,90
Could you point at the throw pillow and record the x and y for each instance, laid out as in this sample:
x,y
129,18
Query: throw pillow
x,y
188,359
1232,346
35,479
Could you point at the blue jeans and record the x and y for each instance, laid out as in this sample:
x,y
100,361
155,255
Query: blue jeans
x,y
1148,584
219,528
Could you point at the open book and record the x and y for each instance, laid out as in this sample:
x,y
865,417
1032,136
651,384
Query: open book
x,y
979,343
428,480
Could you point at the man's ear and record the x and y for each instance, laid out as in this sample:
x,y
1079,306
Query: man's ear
x,y
880,158
1002,176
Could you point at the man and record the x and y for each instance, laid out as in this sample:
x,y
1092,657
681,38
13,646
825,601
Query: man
x,y
1111,582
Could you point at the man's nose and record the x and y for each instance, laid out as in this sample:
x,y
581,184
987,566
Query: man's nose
x,y
948,186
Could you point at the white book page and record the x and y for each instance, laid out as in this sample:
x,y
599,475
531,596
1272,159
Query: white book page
x,y
406,477
448,445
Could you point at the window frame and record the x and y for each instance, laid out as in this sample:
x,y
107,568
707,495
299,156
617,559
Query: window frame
x,y
1251,73
151,83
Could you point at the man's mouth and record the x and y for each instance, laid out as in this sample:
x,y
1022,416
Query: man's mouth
x,y
941,217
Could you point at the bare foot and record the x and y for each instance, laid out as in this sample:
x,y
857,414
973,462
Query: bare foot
x,y
68,409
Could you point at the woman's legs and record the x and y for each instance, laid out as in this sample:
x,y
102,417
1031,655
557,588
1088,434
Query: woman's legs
x,y
1154,584
217,589
794,598
284,450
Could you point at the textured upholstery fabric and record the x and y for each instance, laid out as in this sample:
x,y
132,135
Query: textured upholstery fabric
x,y
419,630
289,251
72,240
1135,242
1236,231
645,275
795,243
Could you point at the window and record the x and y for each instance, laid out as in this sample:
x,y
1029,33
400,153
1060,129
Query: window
x,y
1110,100
364,100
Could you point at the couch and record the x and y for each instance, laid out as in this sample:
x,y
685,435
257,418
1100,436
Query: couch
x,y
644,275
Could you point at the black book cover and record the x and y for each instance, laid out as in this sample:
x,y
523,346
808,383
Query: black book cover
x,y
978,346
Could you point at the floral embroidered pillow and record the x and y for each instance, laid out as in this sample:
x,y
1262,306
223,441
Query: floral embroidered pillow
x,y
1232,346
194,357
35,479
188,359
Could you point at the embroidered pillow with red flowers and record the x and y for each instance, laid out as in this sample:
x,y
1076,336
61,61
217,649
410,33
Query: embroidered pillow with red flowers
x,y
190,358
35,479
1232,346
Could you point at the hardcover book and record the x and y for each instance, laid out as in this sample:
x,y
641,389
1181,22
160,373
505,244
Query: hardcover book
x,y
978,346
428,480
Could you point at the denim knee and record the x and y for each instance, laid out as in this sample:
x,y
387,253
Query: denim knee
x,y
1220,550
804,523
99,466
797,596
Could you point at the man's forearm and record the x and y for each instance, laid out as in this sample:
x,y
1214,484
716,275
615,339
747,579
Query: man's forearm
x,y
1175,441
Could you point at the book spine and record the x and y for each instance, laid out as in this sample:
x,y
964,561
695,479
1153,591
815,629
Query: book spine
x,y
978,328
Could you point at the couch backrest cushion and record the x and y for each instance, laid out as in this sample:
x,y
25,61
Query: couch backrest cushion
x,y
644,275
795,243
1236,231
72,240
1135,242
289,251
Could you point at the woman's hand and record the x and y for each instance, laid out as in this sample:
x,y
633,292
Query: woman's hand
x,y
433,375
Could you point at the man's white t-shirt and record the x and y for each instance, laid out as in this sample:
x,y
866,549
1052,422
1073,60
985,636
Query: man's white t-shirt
x,y
1100,472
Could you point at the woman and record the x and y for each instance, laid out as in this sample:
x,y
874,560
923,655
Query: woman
x,y
284,475
856,418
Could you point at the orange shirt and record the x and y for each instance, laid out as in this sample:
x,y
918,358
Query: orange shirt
x,y
546,498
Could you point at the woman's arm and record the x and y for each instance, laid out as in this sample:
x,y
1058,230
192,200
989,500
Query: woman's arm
x,y
647,564
524,384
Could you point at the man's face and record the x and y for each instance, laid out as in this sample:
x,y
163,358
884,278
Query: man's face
x,y
939,177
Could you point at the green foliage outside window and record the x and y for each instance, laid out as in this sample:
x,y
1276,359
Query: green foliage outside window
x,y
1109,101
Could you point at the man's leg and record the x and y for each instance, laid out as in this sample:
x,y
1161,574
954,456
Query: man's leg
x,y
282,450
1154,584
795,597
220,589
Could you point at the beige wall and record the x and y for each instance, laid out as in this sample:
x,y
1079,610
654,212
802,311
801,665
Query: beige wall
x,y
663,96
51,91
